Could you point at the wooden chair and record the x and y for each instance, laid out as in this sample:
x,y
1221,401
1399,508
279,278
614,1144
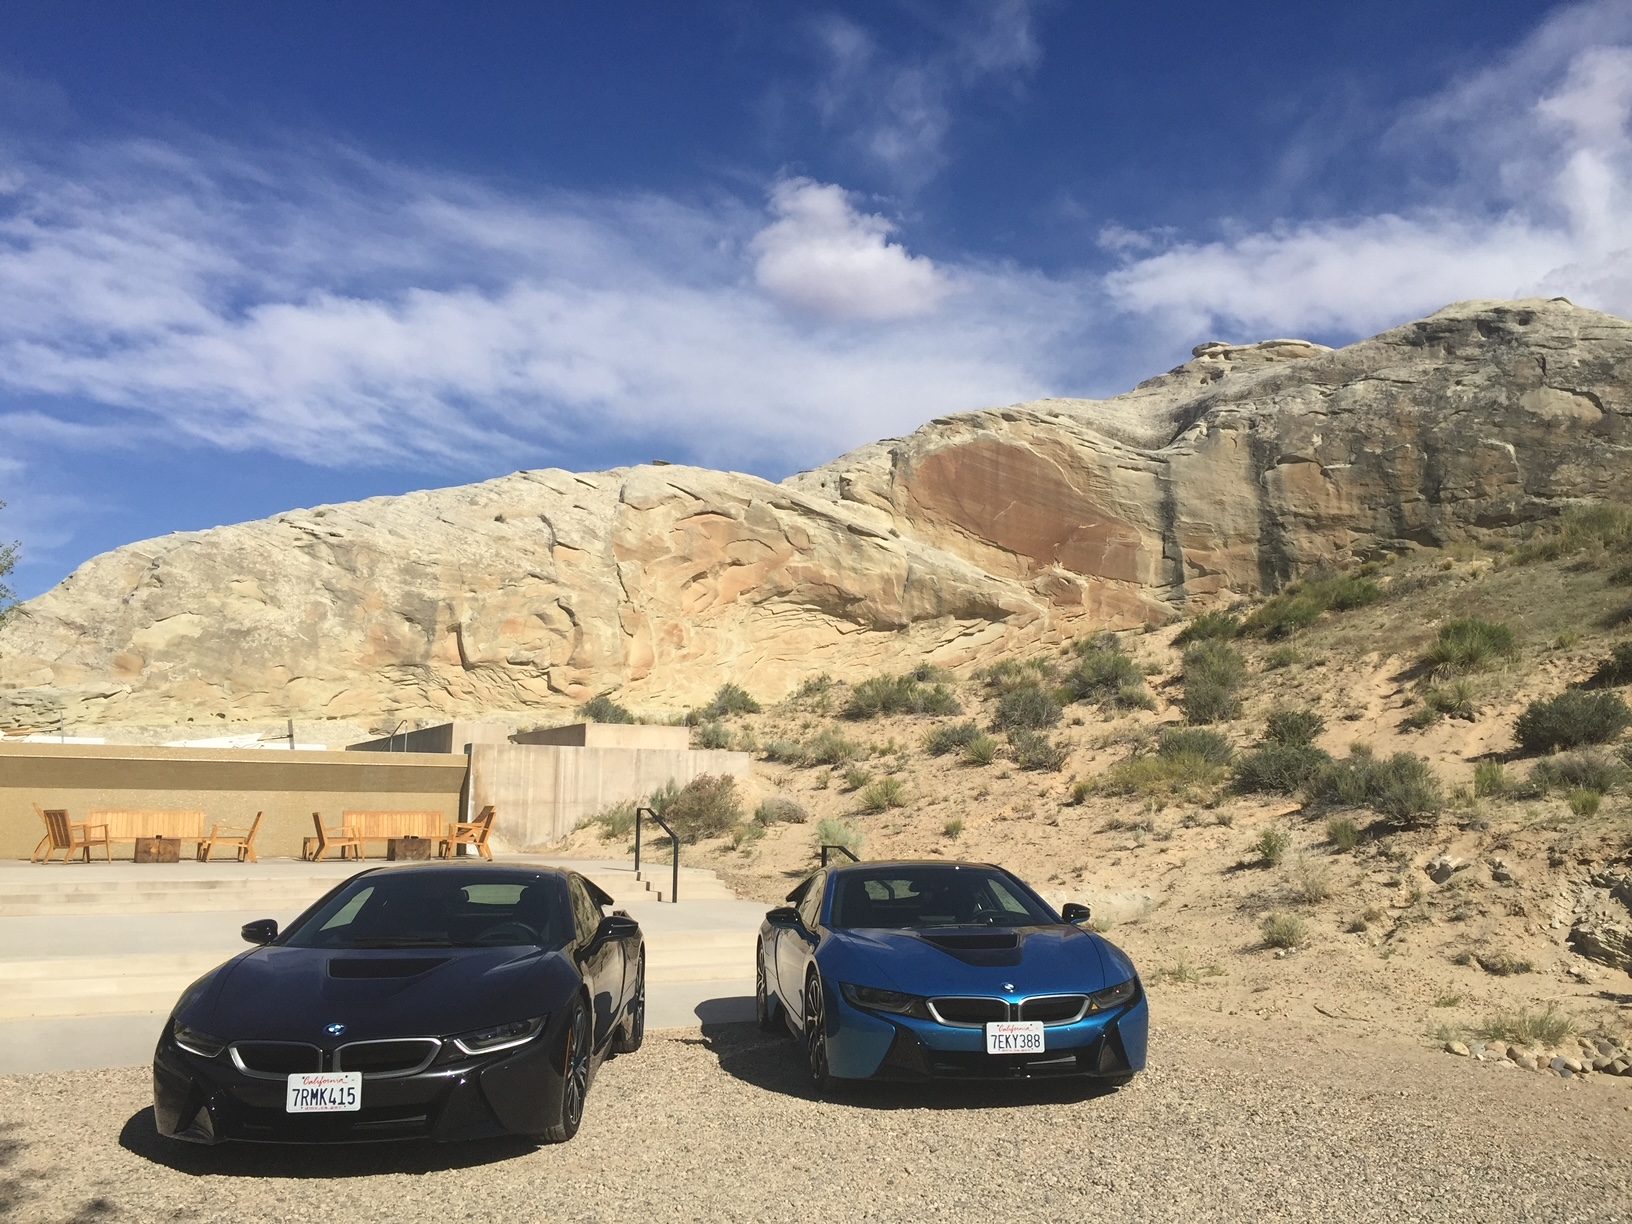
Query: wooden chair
x,y
473,833
69,837
240,840
345,838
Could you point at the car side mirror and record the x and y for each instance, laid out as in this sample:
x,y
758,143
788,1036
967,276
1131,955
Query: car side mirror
x,y
617,926
261,931
1076,913
783,917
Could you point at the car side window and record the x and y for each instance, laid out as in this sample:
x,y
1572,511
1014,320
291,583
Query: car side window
x,y
586,914
810,905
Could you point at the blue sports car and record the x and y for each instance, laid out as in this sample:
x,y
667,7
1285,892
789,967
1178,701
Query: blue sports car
x,y
930,970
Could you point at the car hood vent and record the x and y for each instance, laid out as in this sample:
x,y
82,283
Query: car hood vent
x,y
385,966
974,941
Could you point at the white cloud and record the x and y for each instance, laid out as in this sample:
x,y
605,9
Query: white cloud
x,y
1532,196
821,255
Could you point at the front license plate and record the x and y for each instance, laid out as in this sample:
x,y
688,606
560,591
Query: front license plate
x,y
325,1092
1014,1037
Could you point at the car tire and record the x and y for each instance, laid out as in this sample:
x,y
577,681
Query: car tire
x,y
767,1007
576,1056
817,1066
632,1032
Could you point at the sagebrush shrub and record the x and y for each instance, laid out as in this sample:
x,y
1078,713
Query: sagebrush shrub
x,y
950,738
780,811
1284,931
1490,780
1301,603
831,748
1209,703
603,709
1102,673
1272,844
707,806
1209,626
832,832
1029,706
884,695
1293,727
1033,750
1279,769
1573,718
1596,771
1402,787
728,699
1210,746
712,735
1615,670
1342,833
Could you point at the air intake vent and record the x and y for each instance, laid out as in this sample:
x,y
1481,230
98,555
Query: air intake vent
x,y
384,966
276,1059
977,941
378,1058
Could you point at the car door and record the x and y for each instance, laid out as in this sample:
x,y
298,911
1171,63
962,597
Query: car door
x,y
599,960
796,945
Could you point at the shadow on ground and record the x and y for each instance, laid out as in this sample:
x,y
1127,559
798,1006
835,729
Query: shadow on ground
x,y
139,1137
774,1062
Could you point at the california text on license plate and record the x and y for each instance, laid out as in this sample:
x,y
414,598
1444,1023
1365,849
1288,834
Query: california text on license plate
x,y
1014,1037
325,1092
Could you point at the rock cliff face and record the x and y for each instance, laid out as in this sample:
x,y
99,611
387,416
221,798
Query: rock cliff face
x,y
1231,473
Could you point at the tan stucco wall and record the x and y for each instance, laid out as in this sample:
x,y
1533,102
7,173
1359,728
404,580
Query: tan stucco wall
x,y
542,792
609,735
229,786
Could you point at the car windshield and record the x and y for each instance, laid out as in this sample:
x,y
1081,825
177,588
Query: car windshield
x,y
932,896
438,909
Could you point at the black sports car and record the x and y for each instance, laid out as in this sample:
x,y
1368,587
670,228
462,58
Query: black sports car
x,y
433,1001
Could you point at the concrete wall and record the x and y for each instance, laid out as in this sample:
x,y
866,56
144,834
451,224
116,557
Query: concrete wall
x,y
444,737
227,785
542,792
609,735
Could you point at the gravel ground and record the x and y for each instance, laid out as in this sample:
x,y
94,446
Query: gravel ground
x,y
1228,1124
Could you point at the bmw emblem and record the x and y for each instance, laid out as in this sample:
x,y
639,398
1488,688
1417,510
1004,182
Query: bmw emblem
x,y
1009,986
335,1030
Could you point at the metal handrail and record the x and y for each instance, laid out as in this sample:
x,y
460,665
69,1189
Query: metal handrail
x,y
844,850
674,842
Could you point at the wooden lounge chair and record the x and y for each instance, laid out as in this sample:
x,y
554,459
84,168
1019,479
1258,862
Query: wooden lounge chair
x,y
241,840
69,837
345,838
473,833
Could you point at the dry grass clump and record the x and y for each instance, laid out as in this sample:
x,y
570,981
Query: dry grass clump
x,y
1311,879
780,811
1545,1026
1301,603
1402,787
1271,845
1284,930
1600,532
885,695
1469,644
882,794
1209,626
832,832
1026,707
1032,750
1342,833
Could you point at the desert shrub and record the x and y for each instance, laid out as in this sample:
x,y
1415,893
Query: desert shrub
x,y
1271,845
1573,718
712,735
1295,727
1615,670
1283,931
953,828
950,738
780,811
1595,771
1208,745
1457,699
1310,879
928,673
982,750
856,777
1012,673
1301,603
1213,671
882,794
814,686
1597,528
1279,769
1209,626
618,820
706,806
1028,706
603,709
728,699
1545,1027
1584,801
884,695
831,748
784,752
1153,774
1280,657
1621,575
832,832
1490,780
745,834
1103,673
1133,697
1342,833
1033,750
1402,787
1209,703
1469,644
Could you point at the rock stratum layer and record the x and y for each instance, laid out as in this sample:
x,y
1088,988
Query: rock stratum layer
x,y
1230,474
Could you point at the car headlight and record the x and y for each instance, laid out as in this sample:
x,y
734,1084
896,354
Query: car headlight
x,y
875,998
1113,996
196,1042
500,1036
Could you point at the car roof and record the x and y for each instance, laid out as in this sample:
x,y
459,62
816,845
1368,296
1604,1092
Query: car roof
x,y
841,868
518,871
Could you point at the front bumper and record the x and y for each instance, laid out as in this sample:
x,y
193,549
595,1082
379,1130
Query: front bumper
x,y
873,1045
516,1092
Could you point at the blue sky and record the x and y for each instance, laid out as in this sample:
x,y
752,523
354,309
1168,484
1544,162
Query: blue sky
x,y
262,256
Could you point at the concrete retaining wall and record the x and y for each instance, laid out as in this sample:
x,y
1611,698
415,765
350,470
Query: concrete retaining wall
x,y
543,792
228,785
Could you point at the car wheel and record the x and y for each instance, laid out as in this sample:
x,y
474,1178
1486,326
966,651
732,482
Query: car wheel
x,y
576,1050
633,1032
767,1010
816,1064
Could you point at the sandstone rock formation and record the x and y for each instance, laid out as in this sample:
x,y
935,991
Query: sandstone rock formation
x,y
1231,473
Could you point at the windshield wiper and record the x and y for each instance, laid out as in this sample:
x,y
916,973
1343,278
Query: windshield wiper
x,y
400,941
